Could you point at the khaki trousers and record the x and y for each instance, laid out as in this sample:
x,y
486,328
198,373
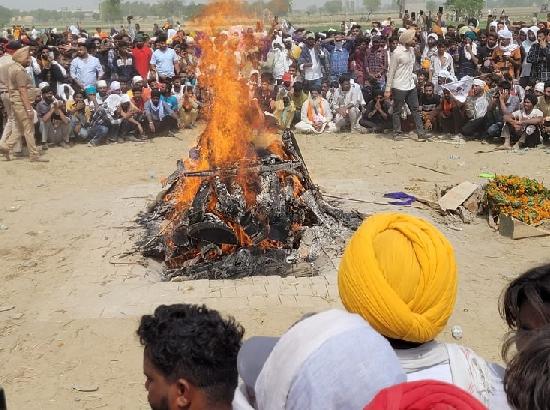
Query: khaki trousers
x,y
10,125
24,123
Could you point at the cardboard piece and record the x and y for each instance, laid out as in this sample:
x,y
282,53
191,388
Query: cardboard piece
x,y
515,229
456,196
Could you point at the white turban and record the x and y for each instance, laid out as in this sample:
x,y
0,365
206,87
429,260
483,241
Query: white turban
x,y
137,79
505,34
101,83
433,35
407,36
43,84
115,86
539,87
124,98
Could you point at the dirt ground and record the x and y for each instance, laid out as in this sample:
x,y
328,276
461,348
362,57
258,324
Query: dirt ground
x,y
77,300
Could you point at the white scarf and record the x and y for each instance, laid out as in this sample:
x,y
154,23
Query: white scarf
x,y
158,109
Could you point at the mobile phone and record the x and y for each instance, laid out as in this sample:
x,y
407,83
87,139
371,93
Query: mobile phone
x,y
440,10
413,15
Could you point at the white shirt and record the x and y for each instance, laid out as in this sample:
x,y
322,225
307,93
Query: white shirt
x,y
400,72
314,72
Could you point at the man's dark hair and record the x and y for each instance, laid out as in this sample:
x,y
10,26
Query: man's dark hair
x,y
344,77
532,98
47,89
527,378
505,85
546,84
194,343
543,31
533,287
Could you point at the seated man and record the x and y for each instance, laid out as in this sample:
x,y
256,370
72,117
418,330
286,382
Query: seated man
x,y
346,104
130,121
316,116
54,124
502,103
160,116
429,104
475,110
449,114
284,109
377,116
523,125
101,123
189,108
190,357
79,115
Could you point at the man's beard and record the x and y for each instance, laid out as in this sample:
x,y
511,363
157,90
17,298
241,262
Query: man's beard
x,y
163,405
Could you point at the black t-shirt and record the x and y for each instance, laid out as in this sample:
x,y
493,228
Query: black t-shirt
x,y
429,103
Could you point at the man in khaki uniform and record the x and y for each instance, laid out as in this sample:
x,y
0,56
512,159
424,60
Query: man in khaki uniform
x,y
21,93
9,117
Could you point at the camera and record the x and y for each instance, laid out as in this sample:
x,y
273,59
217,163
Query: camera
x,y
440,10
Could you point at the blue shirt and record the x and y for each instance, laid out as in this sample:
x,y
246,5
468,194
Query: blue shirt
x,y
86,71
339,62
164,61
172,101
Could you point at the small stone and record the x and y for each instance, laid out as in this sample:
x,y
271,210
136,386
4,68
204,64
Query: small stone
x,y
3,227
457,332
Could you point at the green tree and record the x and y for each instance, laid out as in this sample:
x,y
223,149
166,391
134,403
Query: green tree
x,y
371,5
111,10
466,7
333,6
5,15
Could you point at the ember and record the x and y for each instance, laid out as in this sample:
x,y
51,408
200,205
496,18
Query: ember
x,y
243,202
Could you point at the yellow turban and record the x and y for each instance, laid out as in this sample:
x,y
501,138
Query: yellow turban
x,y
399,273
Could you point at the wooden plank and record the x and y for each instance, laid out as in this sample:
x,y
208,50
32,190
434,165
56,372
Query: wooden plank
x,y
457,195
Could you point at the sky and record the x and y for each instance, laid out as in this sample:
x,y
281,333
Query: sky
x,y
87,4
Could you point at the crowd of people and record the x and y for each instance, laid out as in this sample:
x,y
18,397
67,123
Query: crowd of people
x,y
395,77
397,282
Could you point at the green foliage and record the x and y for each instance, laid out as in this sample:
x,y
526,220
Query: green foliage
x,y
468,7
5,15
372,5
333,6
431,5
111,10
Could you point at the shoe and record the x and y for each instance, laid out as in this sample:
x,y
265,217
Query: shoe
x,y
398,136
6,153
44,147
120,140
63,144
38,159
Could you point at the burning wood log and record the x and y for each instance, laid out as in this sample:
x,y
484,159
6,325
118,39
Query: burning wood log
x,y
245,219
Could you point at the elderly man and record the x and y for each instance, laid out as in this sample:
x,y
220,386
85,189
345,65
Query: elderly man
x,y
313,62
85,69
400,84
21,95
475,110
523,125
346,105
316,116
507,56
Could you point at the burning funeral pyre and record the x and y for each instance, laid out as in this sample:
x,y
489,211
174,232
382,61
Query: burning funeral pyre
x,y
243,203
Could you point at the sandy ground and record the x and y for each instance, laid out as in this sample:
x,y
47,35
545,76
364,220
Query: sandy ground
x,y
77,301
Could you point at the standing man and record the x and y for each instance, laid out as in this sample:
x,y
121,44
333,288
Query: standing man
x,y
142,56
85,68
19,86
8,115
312,63
339,57
400,84
164,60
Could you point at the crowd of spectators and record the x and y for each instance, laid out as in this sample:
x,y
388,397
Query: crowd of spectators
x,y
395,77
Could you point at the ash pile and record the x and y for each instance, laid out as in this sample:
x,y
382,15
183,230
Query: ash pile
x,y
262,216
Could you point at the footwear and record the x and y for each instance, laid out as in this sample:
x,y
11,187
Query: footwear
x,y
120,140
38,159
397,136
132,138
92,144
44,147
6,153
63,144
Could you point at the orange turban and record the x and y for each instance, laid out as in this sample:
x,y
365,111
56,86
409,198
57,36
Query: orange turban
x,y
399,273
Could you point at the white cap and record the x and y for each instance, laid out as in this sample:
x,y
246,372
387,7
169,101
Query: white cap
x,y
115,86
505,34
124,98
43,84
539,87
479,82
101,83
137,79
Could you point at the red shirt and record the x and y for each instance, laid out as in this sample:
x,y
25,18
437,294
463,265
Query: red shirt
x,y
142,60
